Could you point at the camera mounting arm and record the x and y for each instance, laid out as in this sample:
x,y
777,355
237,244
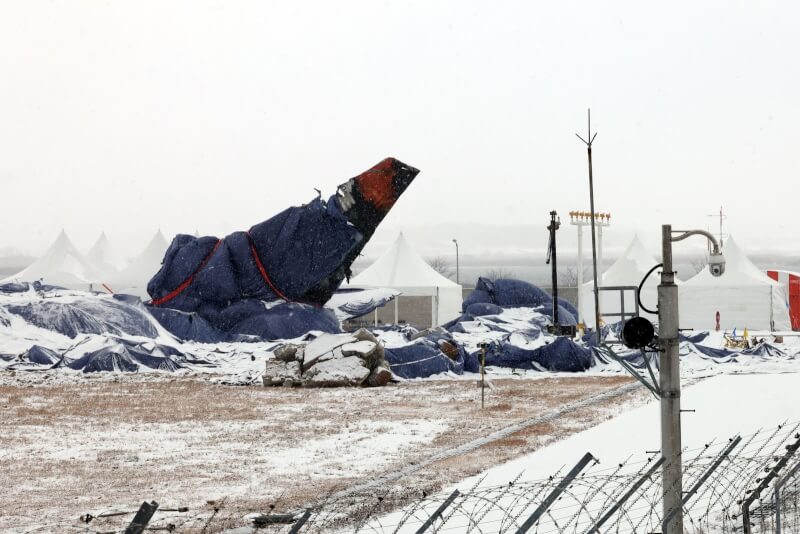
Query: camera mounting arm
x,y
716,261
684,234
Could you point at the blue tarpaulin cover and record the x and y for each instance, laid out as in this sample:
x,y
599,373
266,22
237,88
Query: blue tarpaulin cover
x,y
420,360
511,293
301,256
560,355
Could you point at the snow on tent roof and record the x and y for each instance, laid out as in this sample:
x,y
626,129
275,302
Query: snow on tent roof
x,y
62,265
403,269
103,256
142,268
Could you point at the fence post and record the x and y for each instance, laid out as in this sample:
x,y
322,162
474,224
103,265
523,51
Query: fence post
x,y
778,485
790,450
439,511
142,517
689,494
300,522
558,490
628,494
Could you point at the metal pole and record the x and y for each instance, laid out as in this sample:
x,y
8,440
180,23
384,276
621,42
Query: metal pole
x,y
551,255
600,250
483,374
594,238
457,277
557,491
438,513
580,274
670,386
619,504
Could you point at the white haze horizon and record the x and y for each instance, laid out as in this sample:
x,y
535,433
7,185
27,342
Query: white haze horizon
x,y
126,117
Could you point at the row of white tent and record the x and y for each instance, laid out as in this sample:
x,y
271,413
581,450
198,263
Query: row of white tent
x,y
744,295
64,265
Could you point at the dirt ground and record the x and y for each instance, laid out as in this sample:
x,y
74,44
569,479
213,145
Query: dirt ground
x,y
68,449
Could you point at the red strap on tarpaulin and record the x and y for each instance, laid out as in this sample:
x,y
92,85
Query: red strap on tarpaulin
x,y
186,283
262,270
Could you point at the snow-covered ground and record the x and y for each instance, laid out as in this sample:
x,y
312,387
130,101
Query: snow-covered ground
x,y
724,406
761,408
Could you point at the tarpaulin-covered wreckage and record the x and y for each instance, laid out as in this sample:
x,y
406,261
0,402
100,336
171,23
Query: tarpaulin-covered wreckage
x,y
272,280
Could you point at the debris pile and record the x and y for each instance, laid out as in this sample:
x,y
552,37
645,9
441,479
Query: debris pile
x,y
330,360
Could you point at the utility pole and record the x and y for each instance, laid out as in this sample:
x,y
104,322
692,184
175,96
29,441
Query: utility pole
x,y
588,142
670,375
555,223
456,243
670,385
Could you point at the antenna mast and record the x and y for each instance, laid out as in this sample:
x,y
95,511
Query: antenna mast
x,y
588,142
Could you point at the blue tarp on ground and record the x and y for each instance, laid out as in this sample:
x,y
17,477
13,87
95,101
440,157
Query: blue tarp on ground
x,y
479,309
565,318
126,357
560,355
420,360
188,326
301,255
41,355
765,349
87,316
511,293
14,287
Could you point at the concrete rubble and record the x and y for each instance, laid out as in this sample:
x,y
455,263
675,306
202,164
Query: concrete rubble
x,y
330,360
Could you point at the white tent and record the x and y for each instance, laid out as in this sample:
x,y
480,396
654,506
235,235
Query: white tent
x,y
134,277
62,265
401,268
628,270
103,257
744,296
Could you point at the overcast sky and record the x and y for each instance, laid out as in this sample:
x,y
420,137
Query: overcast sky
x,y
130,116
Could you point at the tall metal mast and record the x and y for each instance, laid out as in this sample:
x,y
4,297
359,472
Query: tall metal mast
x,y
588,142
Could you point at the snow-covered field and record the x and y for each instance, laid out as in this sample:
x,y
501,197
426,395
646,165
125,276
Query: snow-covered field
x,y
95,445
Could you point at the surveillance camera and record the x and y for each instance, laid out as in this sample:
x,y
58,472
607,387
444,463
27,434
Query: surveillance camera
x,y
716,264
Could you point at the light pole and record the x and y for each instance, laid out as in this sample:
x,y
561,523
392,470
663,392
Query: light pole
x,y
588,142
581,219
670,375
456,243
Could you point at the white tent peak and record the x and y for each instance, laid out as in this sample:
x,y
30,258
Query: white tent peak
x,y
61,264
134,277
103,256
634,262
401,267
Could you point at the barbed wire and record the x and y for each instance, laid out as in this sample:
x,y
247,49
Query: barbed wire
x,y
722,477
